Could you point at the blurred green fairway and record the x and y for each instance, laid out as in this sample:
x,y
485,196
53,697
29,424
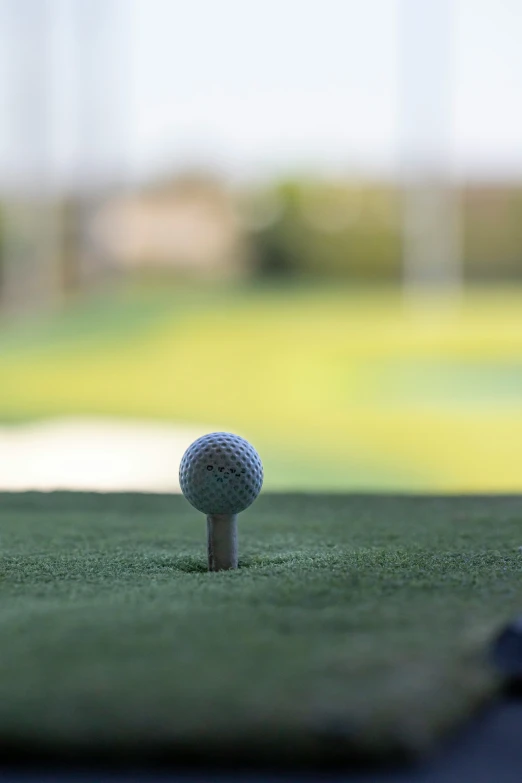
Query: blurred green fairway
x,y
356,626
338,389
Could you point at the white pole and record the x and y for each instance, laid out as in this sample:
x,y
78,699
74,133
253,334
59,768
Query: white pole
x,y
30,227
101,39
431,220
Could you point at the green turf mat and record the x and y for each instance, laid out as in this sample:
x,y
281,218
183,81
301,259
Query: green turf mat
x,y
354,628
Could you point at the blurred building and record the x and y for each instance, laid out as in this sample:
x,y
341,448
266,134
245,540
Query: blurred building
x,y
492,231
187,225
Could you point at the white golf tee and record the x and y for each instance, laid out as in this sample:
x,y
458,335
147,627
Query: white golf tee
x,y
222,541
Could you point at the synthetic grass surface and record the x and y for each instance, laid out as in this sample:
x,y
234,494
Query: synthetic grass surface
x,y
355,628
338,388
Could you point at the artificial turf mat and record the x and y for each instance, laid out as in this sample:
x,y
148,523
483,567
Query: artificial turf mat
x,y
355,628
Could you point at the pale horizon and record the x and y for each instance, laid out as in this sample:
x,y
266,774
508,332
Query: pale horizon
x,y
251,91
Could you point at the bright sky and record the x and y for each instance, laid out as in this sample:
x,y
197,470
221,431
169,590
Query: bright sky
x,y
253,87
271,84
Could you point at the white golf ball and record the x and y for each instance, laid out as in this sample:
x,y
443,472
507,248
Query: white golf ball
x,y
221,473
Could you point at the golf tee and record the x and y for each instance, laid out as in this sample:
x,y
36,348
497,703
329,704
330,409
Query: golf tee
x,y
222,541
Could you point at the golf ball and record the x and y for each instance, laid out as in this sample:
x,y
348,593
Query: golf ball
x,y
221,473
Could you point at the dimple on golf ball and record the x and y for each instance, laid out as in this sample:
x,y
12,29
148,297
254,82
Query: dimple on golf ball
x,y
221,473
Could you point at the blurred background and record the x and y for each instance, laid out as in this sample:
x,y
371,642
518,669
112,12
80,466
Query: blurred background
x,y
300,221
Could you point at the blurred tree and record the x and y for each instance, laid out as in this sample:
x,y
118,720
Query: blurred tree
x,y
28,255
330,230
69,266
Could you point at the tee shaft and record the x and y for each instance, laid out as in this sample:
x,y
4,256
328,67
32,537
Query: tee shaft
x,y
222,541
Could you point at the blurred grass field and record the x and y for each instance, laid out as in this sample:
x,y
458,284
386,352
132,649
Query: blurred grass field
x,y
338,388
